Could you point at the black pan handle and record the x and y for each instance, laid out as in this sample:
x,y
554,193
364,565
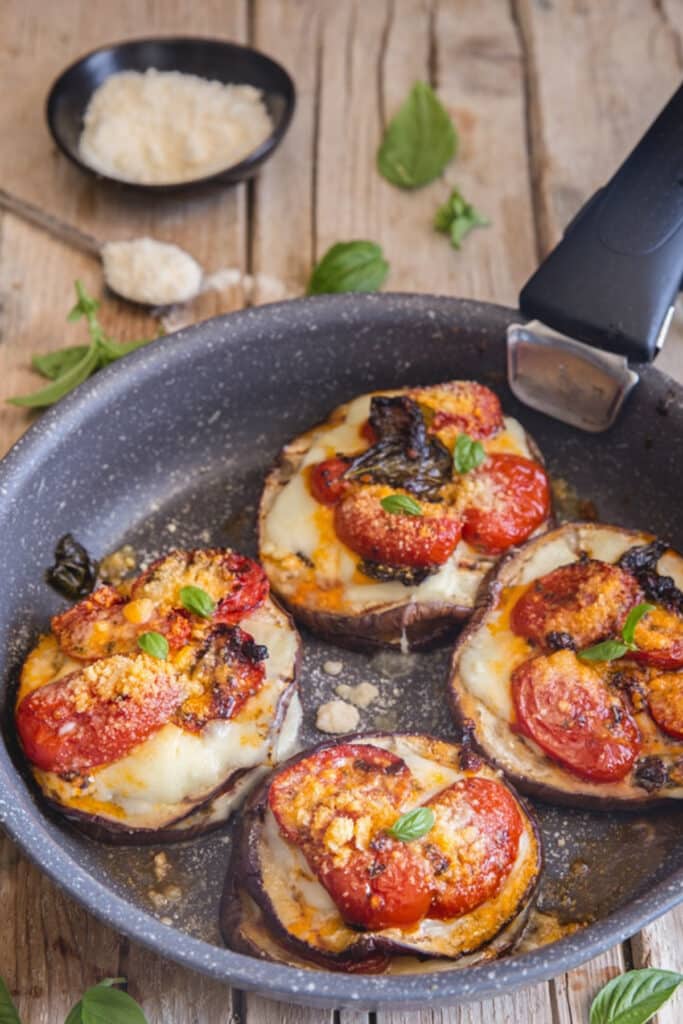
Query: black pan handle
x,y
613,279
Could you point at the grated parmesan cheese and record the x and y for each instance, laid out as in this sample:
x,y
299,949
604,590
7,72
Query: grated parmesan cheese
x,y
151,272
166,127
337,717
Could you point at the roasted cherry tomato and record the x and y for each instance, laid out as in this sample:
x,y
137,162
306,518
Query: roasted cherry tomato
x,y
396,538
473,844
99,714
99,626
510,498
230,669
588,600
566,708
326,480
237,584
460,407
659,637
665,700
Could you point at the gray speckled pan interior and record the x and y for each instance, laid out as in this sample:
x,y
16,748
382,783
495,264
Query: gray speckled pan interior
x,y
169,447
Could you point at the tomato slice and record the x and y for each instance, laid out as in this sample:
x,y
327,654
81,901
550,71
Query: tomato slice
x,y
659,637
98,627
236,583
566,708
335,805
326,480
396,538
473,844
588,600
97,715
665,700
460,407
230,669
509,497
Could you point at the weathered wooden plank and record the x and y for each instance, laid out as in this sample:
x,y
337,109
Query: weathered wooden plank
x,y
574,992
531,1004
659,945
267,1011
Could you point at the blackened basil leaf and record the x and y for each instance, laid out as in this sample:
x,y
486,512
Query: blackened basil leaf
x,y
8,1011
412,825
196,600
401,504
349,267
74,572
405,574
154,644
467,454
405,455
634,997
419,141
634,617
608,650
641,562
103,1004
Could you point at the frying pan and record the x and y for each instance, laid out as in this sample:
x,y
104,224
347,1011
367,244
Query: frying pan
x,y
169,447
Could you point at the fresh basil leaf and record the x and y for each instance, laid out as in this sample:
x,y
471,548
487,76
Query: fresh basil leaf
x,y
634,617
401,504
419,141
154,644
198,601
8,1011
457,218
69,380
608,650
349,267
468,454
634,997
75,1015
85,304
103,1004
53,364
412,825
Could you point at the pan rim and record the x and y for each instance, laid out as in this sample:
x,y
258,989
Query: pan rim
x,y
25,822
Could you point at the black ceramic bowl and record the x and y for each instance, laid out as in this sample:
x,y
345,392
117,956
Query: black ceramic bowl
x,y
208,58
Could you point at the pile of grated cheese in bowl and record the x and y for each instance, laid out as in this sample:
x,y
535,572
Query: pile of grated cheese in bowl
x,y
166,127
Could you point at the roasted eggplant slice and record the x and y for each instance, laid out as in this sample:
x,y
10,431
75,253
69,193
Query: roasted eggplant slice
x,y
569,675
138,747
377,526
363,855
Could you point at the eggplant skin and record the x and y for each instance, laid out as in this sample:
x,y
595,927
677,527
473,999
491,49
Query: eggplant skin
x,y
250,923
523,763
408,625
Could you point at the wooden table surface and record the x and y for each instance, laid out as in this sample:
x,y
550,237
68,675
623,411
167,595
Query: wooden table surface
x,y
548,97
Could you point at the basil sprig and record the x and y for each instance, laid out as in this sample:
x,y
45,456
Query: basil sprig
x,y
634,997
401,504
419,141
610,650
356,266
196,600
101,1004
68,367
456,217
412,825
155,644
468,454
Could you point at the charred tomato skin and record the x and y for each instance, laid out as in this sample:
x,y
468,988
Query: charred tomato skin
x,y
566,708
419,541
326,480
587,600
511,499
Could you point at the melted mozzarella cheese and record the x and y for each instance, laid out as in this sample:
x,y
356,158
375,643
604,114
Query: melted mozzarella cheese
x,y
175,768
297,524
